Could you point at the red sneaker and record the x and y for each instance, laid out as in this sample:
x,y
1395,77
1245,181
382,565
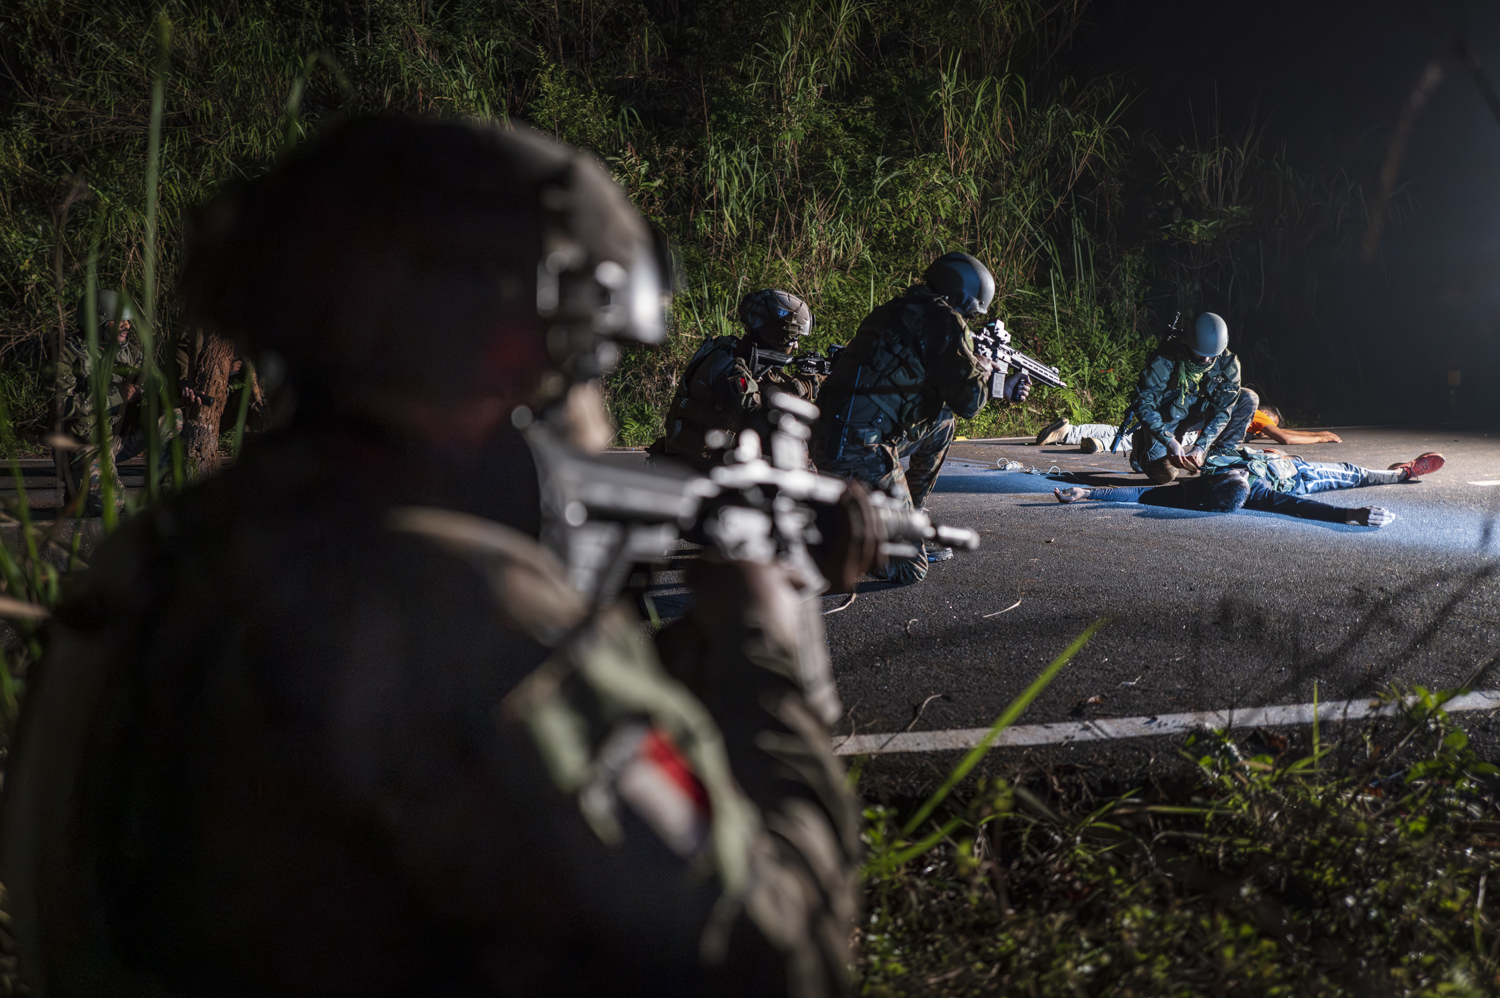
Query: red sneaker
x,y
1425,464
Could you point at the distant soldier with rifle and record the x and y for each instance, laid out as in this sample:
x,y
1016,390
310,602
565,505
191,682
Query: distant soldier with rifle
x,y
729,380
366,714
118,348
911,366
1190,384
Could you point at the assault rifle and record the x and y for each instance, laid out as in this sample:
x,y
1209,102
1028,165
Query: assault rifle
x,y
993,341
604,518
762,361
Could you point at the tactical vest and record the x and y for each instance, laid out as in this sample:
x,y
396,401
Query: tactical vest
x,y
890,396
1280,474
694,412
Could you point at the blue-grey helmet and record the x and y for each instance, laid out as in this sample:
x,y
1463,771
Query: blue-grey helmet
x,y
1210,335
964,281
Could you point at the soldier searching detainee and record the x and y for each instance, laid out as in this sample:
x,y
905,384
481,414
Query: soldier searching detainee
x,y
335,723
1191,383
895,391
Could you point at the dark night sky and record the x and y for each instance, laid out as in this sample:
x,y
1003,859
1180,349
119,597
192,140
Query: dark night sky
x,y
1329,78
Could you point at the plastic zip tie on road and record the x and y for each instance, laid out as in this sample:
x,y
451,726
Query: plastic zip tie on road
x,y
1109,729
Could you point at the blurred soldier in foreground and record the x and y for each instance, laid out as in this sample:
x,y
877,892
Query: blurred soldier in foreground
x,y
336,723
895,391
725,385
1192,383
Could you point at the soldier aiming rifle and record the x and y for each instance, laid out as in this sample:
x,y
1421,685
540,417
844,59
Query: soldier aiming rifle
x,y
363,714
724,386
894,392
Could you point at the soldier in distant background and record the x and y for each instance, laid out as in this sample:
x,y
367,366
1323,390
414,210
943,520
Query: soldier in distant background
x,y
76,381
123,400
336,722
723,387
895,391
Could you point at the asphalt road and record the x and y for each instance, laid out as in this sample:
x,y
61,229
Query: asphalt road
x,y
1207,611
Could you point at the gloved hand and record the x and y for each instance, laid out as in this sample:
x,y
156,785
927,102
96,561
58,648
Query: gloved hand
x,y
1194,457
1370,516
1174,451
1017,386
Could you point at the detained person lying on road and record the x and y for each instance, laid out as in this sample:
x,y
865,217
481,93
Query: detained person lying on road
x,y
1090,438
1271,482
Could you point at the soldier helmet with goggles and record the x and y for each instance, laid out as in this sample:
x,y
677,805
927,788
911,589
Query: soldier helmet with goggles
x,y
965,282
430,260
775,318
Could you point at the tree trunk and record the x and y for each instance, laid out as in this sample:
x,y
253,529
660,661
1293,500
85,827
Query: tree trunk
x,y
210,377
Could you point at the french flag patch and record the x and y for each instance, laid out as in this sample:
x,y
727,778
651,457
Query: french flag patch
x,y
655,779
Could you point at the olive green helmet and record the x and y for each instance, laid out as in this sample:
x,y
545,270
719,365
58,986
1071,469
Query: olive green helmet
x,y
776,318
109,306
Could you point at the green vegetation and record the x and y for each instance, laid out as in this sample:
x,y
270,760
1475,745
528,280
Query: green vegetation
x,y
1358,867
831,147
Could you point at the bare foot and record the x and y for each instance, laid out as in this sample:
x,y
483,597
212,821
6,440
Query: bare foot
x,y
1074,494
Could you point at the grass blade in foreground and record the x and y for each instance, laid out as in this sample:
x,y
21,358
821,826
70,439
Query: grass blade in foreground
x,y
1005,720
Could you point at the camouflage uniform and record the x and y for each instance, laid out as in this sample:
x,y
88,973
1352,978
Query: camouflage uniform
x,y
75,375
720,391
335,730
1176,393
126,439
896,389
334,722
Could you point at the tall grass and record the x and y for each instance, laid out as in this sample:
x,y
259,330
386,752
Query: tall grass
x,y
831,147
1355,867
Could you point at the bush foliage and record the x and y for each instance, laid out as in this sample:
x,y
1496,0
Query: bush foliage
x,y
1352,868
830,147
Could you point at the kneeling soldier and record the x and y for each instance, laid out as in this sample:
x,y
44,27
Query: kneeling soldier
x,y
724,386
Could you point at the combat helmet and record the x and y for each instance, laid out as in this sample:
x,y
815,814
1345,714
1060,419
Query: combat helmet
x,y
433,259
1210,335
109,306
963,281
778,319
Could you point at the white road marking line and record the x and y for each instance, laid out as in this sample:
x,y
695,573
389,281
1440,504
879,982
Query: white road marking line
x,y
1487,481
1105,729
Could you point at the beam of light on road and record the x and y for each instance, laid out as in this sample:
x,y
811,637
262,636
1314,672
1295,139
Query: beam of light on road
x,y
1108,729
1426,519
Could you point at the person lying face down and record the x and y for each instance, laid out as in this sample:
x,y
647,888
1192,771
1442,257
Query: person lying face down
x,y
1270,482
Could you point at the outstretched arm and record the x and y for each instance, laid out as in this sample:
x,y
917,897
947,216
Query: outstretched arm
x,y
1119,493
1311,509
1282,436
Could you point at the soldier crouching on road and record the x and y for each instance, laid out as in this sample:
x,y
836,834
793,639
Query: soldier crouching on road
x,y
336,723
1191,384
895,391
724,387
